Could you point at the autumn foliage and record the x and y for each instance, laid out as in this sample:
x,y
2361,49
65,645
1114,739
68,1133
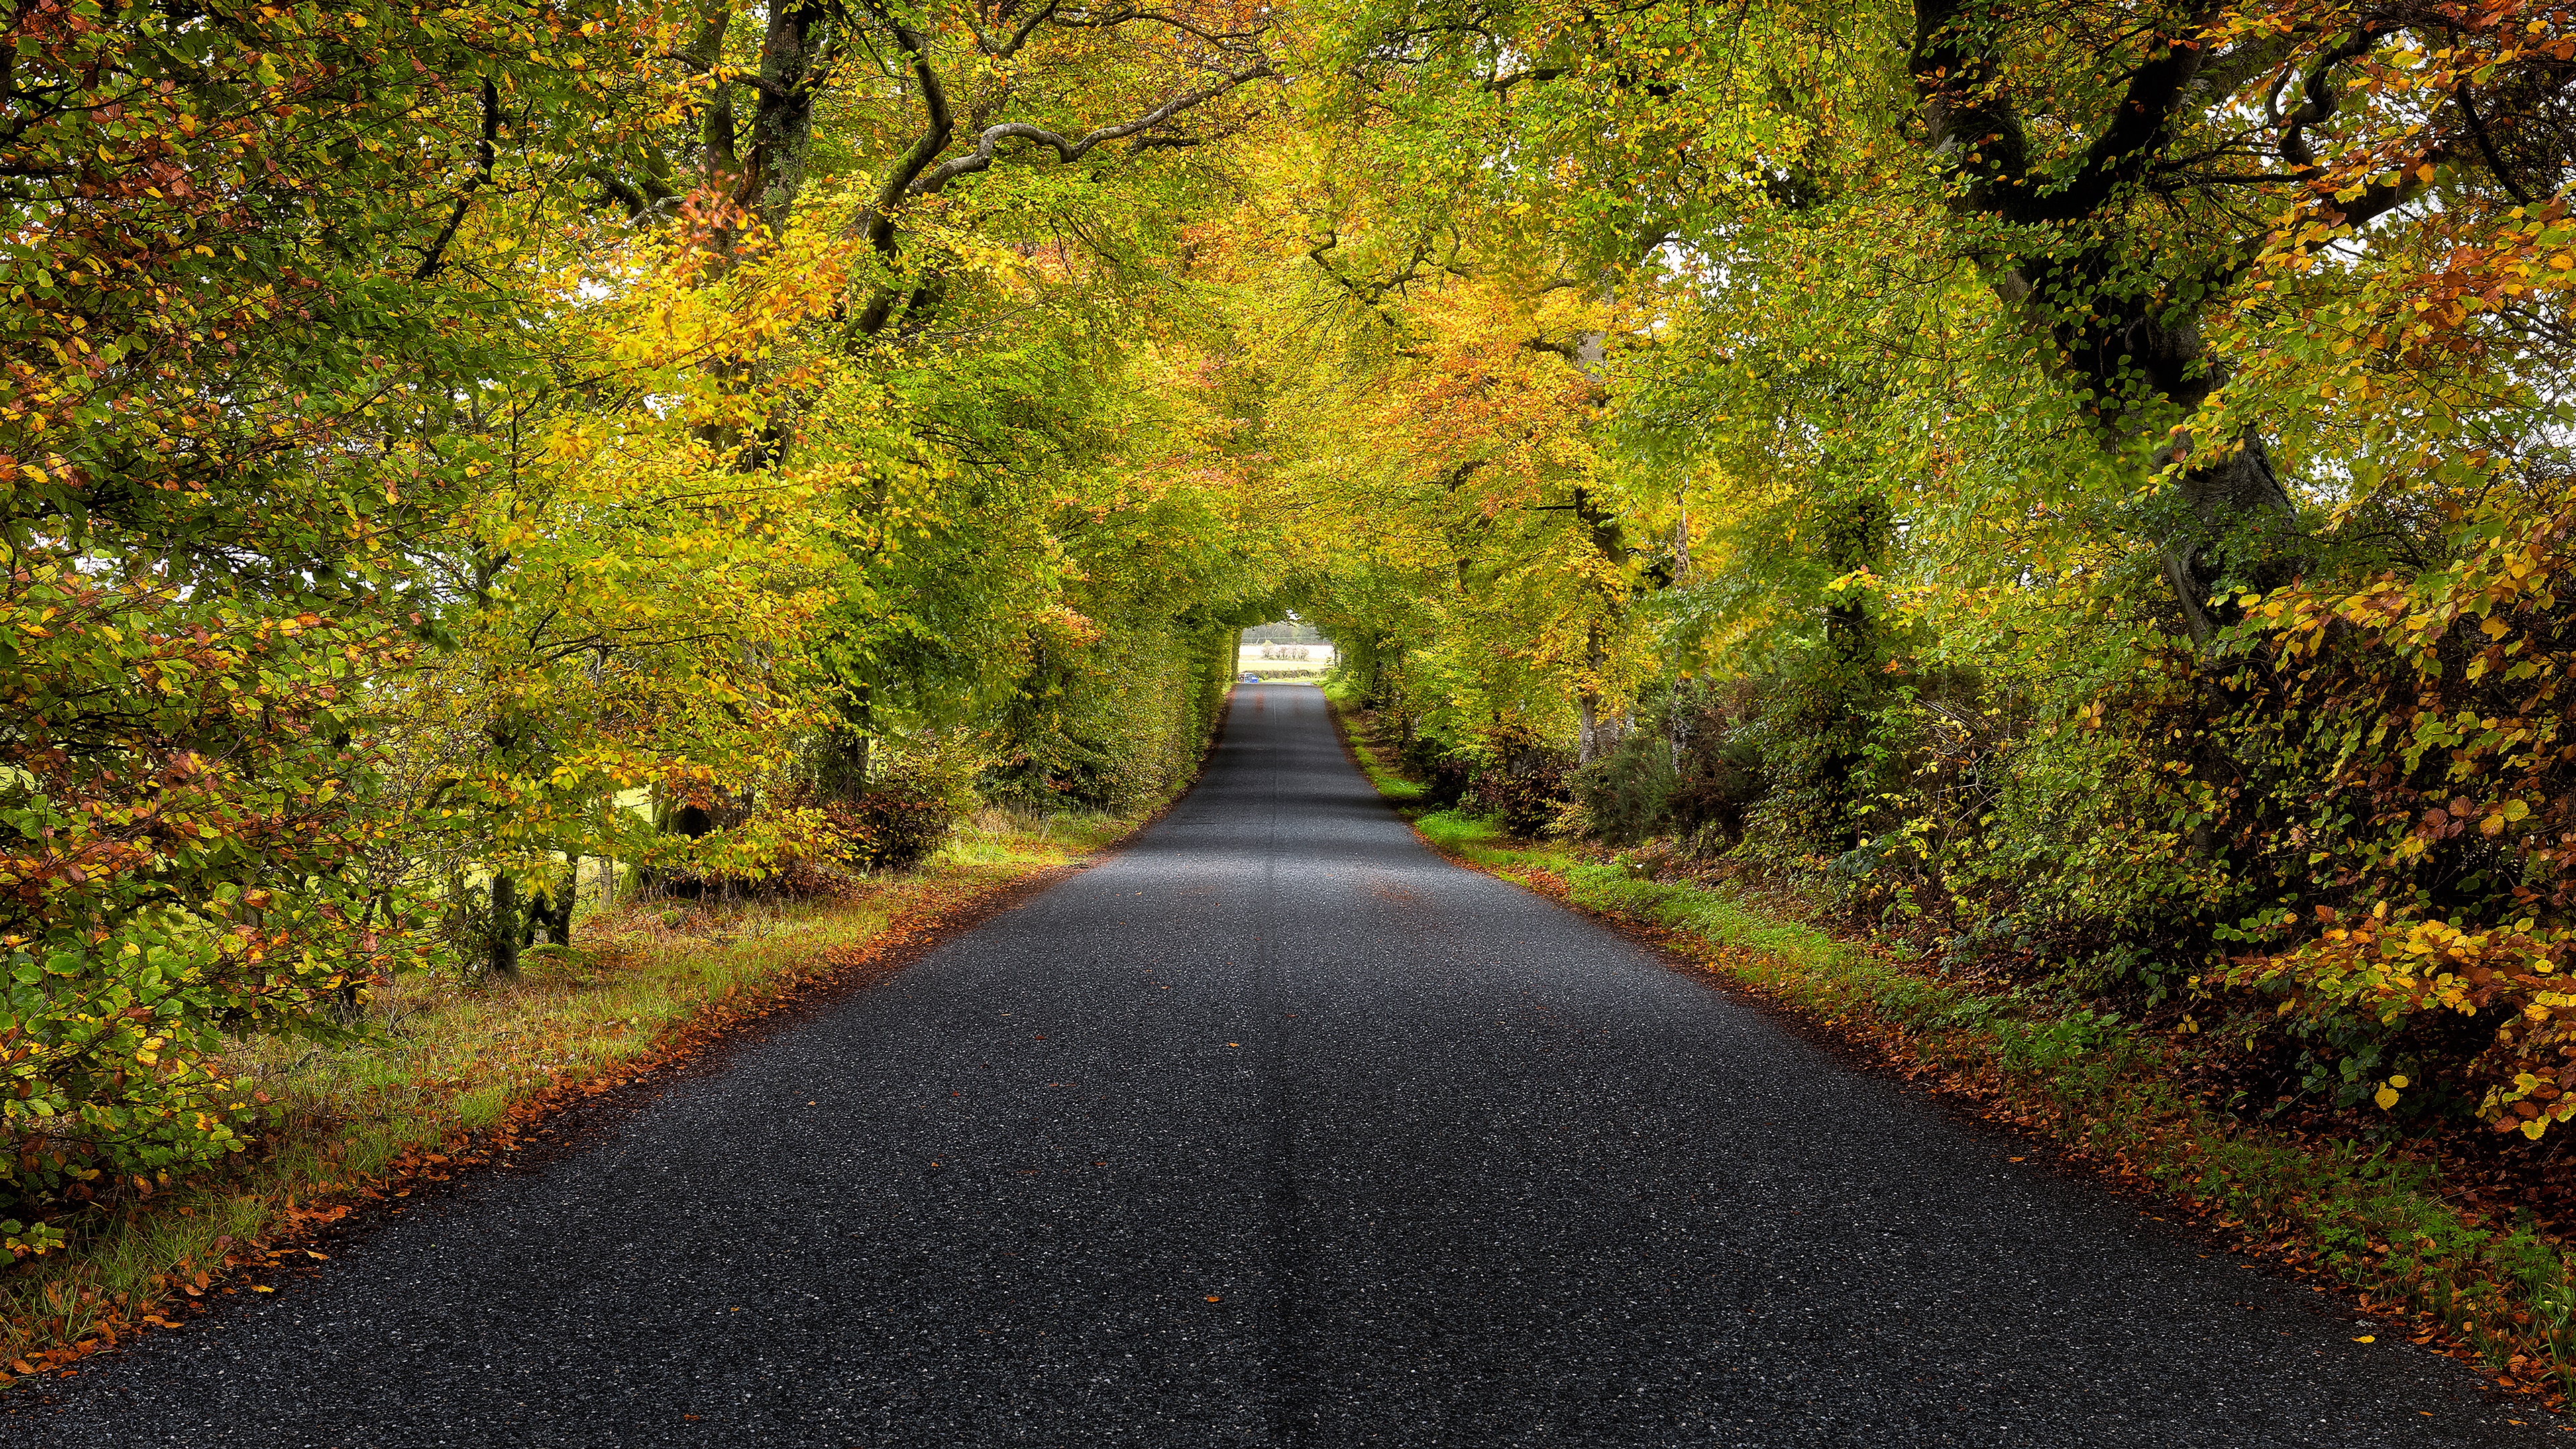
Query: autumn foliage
x,y
457,465
2083,490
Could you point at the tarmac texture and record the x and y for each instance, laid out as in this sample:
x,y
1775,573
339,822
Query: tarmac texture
x,y
1276,1129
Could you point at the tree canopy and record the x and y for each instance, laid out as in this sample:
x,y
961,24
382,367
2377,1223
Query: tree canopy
x,y
2082,484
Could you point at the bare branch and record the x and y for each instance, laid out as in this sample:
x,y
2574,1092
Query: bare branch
x,y
876,224
632,198
1005,49
485,151
1112,19
1071,149
1535,74
1371,294
2486,148
2317,97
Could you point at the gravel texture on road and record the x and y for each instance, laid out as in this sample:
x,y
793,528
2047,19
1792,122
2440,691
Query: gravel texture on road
x,y
1276,1129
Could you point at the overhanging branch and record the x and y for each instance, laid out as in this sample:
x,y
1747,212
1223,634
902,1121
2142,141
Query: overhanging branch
x,y
485,153
1069,149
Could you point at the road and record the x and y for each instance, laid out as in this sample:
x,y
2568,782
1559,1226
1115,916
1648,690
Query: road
x,y
1276,1129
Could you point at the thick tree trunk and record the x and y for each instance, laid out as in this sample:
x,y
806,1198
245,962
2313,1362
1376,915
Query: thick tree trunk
x,y
2238,500
793,57
1856,529
2114,325
849,748
1609,539
1595,735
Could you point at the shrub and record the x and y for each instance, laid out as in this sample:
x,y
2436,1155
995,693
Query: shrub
x,y
1445,777
166,752
1690,770
1520,783
905,813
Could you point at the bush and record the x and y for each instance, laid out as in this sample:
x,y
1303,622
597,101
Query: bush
x,y
1445,777
798,839
1690,770
164,752
904,814
1521,783
1117,728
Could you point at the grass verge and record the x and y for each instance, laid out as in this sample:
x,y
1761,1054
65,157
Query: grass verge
x,y
2376,1225
462,1075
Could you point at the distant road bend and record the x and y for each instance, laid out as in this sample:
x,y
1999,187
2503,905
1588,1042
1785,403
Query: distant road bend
x,y
1275,1129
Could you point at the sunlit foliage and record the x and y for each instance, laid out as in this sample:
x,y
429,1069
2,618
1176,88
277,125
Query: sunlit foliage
x,y
2078,485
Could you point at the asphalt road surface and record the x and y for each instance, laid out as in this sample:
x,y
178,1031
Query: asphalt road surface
x,y
1275,1129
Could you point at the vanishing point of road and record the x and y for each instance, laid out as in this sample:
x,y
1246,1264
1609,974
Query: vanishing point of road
x,y
1273,1128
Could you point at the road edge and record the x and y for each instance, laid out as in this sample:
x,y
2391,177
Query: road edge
x,y
575,1110
1991,1098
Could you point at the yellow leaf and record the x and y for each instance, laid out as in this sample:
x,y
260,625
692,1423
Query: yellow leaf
x,y
2386,1097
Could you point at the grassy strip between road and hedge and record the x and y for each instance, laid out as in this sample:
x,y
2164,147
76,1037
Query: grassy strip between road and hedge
x,y
2364,1220
458,1074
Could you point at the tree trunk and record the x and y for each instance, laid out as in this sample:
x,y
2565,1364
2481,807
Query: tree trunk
x,y
2112,326
1589,744
502,926
1855,539
793,57
849,747
551,913
2238,500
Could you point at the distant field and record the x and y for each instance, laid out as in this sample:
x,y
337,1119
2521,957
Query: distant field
x,y
1319,658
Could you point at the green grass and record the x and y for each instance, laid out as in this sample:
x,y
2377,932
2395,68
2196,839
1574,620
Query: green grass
x,y
1399,790
448,1058
2351,1215
2368,1220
